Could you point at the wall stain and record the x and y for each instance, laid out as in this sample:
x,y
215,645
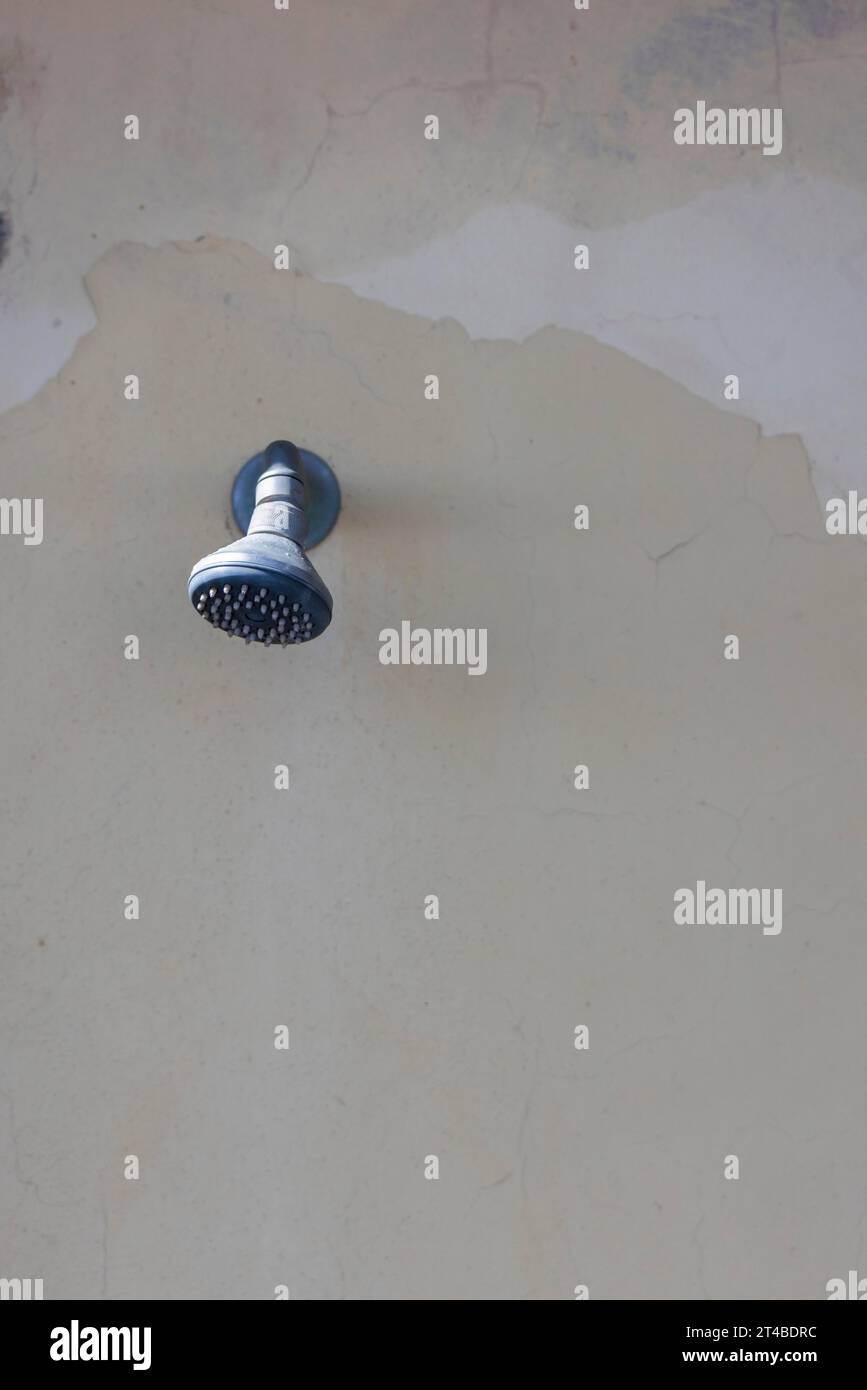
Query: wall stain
x,y
702,49
826,19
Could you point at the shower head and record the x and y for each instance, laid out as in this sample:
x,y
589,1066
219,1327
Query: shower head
x,y
263,588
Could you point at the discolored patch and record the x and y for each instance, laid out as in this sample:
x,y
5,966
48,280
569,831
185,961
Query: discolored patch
x,y
826,19
702,47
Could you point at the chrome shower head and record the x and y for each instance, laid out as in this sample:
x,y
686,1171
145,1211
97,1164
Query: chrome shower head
x,y
263,588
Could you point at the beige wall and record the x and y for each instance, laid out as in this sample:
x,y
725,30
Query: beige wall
x,y
306,907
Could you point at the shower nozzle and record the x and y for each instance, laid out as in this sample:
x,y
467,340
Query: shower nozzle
x,y
263,587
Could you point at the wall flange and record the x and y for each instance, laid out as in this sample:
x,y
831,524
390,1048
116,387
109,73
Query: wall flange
x,y
323,495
